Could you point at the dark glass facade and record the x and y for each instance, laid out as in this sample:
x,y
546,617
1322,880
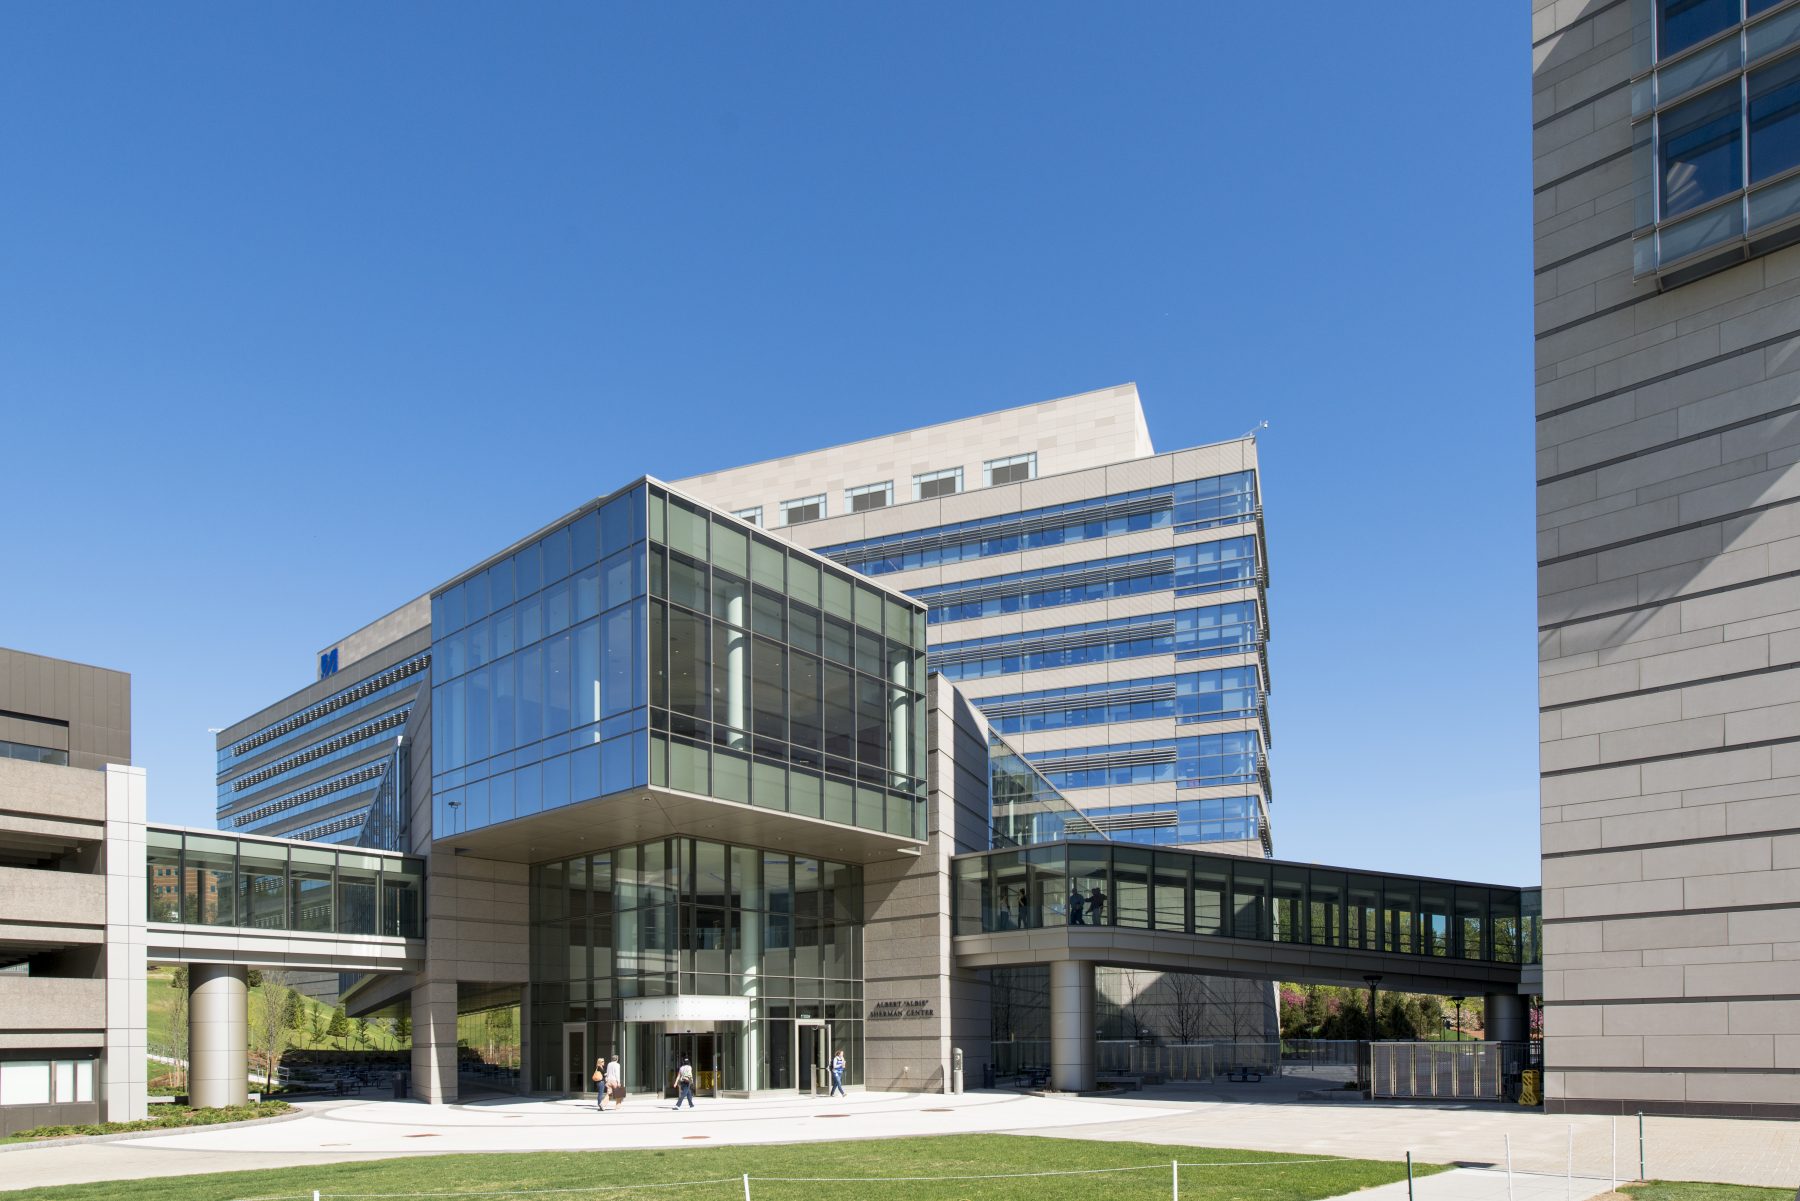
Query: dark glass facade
x,y
1192,892
695,918
778,680
216,880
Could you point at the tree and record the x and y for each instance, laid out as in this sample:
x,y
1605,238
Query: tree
x,y
362,1032
340,1025
1185,1004
316,1018
403,1027
295,1010
270,1036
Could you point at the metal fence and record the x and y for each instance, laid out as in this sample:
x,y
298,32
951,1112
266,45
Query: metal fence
x,y
1471,1071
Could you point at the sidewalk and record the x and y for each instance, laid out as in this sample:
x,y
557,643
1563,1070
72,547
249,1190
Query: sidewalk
x,y
1480,1184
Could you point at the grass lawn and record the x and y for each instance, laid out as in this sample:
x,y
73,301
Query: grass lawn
x,y
1678,1190
948,1155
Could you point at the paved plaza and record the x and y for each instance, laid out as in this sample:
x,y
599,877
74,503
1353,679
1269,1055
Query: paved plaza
x,y
1765,1153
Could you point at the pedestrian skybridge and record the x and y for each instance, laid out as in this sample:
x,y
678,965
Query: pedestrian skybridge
x,y
219,898
1103,903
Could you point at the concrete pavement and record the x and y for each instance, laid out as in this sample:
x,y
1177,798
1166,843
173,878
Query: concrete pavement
x,y
1763,1153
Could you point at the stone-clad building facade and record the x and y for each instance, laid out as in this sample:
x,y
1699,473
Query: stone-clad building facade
x,y
1668,429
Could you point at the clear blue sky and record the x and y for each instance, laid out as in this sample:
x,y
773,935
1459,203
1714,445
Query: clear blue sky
x,y
304,308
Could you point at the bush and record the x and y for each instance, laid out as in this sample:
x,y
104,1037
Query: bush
x,y
180,1116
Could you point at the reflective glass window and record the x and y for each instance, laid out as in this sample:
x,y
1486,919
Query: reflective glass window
x,y
1684,23
1701,150
1775,118
310,885
358,885
209,881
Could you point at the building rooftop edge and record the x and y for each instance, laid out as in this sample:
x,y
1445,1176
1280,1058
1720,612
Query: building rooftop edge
x,y
837,446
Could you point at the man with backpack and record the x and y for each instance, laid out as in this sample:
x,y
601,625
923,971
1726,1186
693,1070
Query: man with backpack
x,y
684,1084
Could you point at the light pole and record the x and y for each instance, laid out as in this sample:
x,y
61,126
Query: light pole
x,y
1374,1014
1459,1002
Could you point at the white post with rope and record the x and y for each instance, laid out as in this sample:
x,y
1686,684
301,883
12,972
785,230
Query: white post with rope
x,y
1615,1149
1509,1192
1569,1169
746,1187
1175,1180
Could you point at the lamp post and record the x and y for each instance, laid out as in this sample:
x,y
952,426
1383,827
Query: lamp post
x,y
1459,1002
1374,1014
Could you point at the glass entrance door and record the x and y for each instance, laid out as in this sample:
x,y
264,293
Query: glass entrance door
x,y
577,1066
702,1051
812,1055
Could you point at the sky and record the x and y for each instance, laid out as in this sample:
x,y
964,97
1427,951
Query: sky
x,y
305,308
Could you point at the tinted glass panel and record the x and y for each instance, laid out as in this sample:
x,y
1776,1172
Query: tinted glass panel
x,y
1701,156
1688,22
1775,119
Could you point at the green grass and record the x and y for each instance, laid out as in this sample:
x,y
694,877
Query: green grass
x,y
163,1117
949,1155
160,1015
1679,1190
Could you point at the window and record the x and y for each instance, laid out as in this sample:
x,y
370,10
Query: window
x,y
807,508
1010,471
1716,135
1775,119
937,483
753,515
1701,151
870,496
1687,23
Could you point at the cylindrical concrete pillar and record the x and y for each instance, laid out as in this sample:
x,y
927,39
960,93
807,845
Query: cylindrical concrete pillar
x,y
1505,1020
1072,1026
218,1036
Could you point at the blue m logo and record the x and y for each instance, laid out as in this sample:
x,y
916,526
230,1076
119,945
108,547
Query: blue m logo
x,y
328,663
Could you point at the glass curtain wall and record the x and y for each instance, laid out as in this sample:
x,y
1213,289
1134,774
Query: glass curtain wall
x,y
1096,884
692,917
779,681
216,880
538,697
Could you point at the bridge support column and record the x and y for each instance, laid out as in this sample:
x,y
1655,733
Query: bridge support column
x,y
218,1036
1072,1026
1505,1017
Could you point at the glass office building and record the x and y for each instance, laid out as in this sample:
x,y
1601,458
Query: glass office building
x,y
646,648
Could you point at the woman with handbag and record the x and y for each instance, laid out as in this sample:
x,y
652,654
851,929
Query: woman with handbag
x,y
598,1078
615,1084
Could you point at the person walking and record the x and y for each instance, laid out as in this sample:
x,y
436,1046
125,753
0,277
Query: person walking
x,y
615,1083
684,1084
599,1079
837,1074
1075,904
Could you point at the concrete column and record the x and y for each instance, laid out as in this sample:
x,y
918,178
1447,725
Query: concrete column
x,y
218,1035
1505,1021
1072,1026
434,1042
121,1089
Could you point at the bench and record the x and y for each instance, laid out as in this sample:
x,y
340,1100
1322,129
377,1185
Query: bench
x,y
1244,1074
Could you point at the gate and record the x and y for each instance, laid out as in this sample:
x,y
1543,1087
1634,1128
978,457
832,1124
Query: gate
x,y
1469,1071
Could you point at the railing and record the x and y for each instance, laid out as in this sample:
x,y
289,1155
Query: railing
x,y
1076,883
1473,1071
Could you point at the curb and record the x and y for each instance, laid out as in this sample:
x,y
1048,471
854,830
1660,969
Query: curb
x,y
127,1135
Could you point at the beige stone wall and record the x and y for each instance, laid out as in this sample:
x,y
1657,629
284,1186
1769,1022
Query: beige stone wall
x,y
906,933
1669,628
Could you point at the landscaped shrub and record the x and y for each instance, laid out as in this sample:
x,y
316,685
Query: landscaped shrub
x,y
178,1116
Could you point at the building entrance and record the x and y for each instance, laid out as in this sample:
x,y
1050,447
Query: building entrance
x,y
578,1065
812,1055
703,1051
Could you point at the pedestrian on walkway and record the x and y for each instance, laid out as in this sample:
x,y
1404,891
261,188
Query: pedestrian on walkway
x,y
1096,907
615,1083
599,1079
837,1074
684,1084
1075,904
